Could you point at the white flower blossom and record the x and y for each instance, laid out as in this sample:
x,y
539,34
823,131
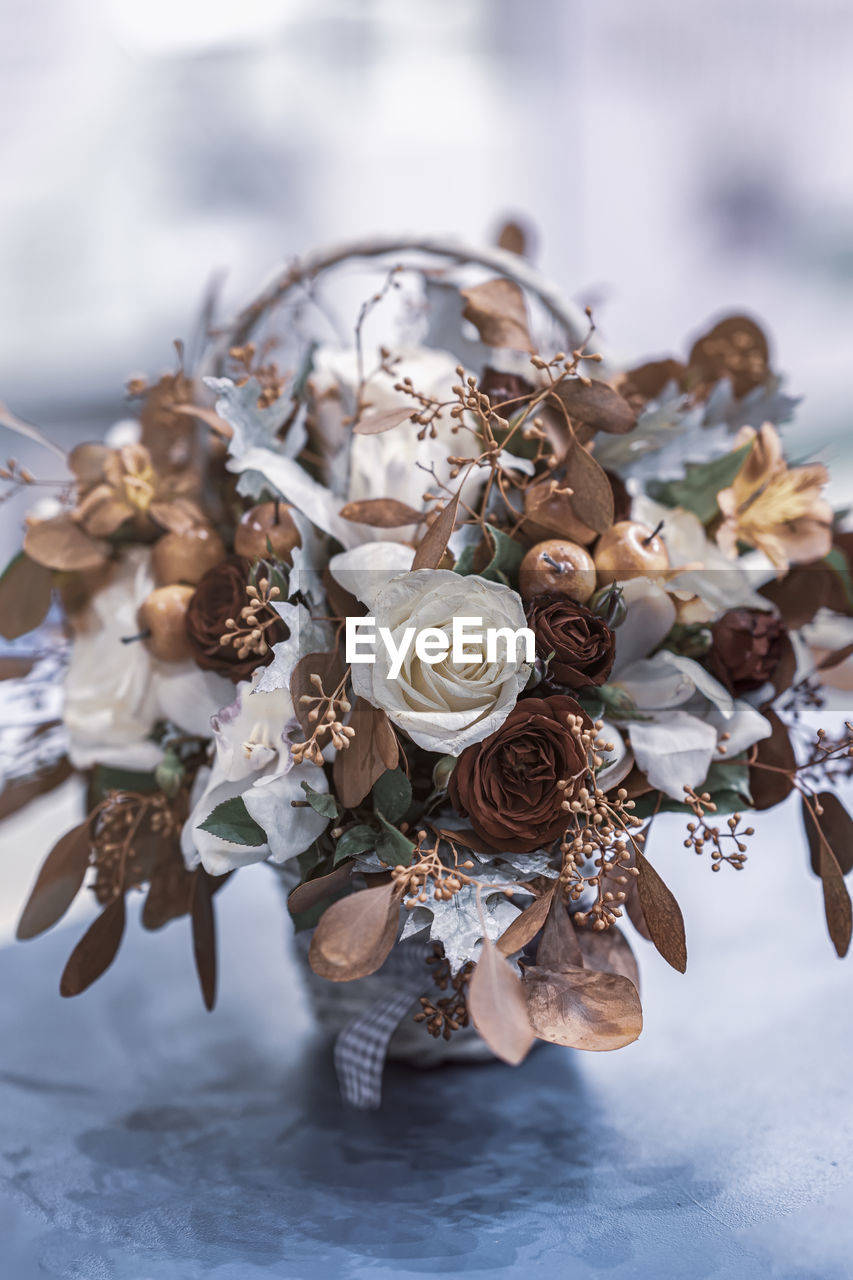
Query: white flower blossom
x,y
443,706
682,711
115,693
253,760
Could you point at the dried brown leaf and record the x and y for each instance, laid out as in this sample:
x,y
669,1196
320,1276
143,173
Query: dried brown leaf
x,y
836,899
381,513
20,791
60,543
592,497
25,589
525,927
834,658
597,405
768,786
58,883
170,893
373,424
342,603
662,914
367,757
583,1009
513,237
497,1006
95,951
433,544
634,910
608,951
329,668
498,312
178,516
836,826
355,934
308,895
558,947
204,936
87,461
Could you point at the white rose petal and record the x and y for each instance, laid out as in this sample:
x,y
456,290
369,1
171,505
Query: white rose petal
x,y
444,706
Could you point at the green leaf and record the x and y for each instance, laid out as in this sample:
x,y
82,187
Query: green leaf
x,y
505,556
729,777
312,857
392,794
392,846
106,778
697,491
360,839
320,801
231,821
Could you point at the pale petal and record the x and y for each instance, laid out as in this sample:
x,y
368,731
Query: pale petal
x,y
651,614
701,680
745,727
673,751
365,570
270,802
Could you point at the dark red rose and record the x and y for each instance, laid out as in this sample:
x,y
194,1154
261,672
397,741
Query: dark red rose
x,y
506,785
581,642
220,595
746,647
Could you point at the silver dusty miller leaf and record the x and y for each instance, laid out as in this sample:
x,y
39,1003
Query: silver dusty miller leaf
x,y
456,924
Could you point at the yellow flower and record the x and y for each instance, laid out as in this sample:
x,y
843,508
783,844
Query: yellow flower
x,y
774,507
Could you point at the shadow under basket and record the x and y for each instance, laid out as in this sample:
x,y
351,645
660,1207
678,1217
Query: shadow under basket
x,y
372,1018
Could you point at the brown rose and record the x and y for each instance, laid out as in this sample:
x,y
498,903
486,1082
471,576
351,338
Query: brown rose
x,y
746,647
581,642
506,785
220,595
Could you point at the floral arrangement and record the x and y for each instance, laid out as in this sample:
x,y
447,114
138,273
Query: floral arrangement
x,y
465,820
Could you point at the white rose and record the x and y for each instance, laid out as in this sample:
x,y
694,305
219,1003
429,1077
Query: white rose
x,y
443,706
115,693
254,761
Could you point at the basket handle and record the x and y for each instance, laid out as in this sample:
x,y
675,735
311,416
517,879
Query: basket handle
x,y
567,315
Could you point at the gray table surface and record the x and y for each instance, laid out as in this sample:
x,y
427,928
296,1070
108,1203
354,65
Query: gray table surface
x,y
142,1138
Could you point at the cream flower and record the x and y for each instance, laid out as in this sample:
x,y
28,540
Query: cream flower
x,y
773,507
253,760
683,713
115,693
443,706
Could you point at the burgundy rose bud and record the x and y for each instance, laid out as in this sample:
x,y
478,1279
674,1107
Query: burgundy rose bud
x,y
581,641
746,646
221,595
506,785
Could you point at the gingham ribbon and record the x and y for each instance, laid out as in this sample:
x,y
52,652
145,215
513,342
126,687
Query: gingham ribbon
x,y
361,1046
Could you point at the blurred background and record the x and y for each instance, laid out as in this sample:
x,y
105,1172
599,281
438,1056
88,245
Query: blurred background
x,y
676,159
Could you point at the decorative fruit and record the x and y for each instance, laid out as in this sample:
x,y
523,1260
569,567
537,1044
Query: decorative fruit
x,y
162,622
630,550
550,514
268,525
559,567
186,557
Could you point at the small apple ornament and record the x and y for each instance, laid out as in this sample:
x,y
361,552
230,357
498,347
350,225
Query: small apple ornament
x,y
186,557
268,525
558,567
630,550
162,622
